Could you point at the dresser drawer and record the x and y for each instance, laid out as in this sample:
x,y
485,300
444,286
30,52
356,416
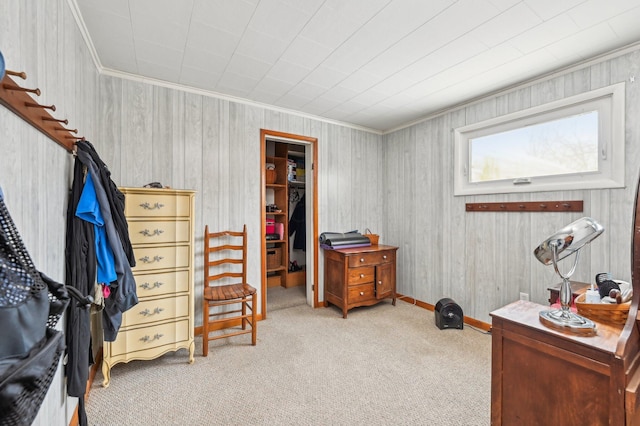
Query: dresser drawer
x,y
361,275
370,259
156,205
162,283
138,339
359,293
156,310
148,258
159,231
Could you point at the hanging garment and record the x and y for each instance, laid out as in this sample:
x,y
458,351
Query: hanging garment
x,y
297,224
89,210
81,265
80,258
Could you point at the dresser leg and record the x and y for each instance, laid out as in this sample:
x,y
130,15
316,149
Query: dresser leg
x,y
106,373
192,348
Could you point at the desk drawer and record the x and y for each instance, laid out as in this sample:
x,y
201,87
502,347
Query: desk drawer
x,y
156,205
158,231
148,258
361,275
370,259
138,339
359,293
162,283
148,311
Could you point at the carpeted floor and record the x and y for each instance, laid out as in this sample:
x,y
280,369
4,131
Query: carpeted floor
x,y
383,365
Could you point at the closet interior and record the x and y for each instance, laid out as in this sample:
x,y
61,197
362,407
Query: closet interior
x,y
284,211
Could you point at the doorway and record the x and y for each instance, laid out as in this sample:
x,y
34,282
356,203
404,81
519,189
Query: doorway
x,y
288,186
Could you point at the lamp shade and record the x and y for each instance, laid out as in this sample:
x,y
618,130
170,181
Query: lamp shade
x,y
568,240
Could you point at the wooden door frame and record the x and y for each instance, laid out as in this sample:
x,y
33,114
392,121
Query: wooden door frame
x,y
264,135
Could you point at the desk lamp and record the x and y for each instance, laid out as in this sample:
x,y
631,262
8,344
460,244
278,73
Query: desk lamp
x,y
567,241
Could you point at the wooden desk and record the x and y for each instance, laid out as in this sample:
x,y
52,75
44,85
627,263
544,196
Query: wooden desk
x,y
541,376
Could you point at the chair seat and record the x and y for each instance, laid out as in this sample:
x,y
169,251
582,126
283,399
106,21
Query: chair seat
x,y
228,292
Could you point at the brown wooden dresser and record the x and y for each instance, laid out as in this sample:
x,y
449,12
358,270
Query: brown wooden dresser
x,y
361,276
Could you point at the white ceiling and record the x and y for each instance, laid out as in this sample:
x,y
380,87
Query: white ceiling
x,y
378,64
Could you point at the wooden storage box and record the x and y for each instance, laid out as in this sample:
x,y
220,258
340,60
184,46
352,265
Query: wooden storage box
x,y
274,257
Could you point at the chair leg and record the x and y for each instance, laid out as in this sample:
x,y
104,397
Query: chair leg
x,y
205,329
244,312
254,323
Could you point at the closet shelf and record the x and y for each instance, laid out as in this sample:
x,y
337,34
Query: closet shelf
x,y
20,102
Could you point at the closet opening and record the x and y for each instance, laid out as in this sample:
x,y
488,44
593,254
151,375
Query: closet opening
x,y
289,221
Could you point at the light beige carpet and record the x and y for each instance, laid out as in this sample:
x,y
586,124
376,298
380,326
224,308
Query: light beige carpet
x,y
384,365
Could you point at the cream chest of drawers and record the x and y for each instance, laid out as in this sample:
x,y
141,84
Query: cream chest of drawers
x,y
161,229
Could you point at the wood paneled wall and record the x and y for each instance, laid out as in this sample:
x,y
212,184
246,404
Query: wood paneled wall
x,y
42,38
191,141
484,260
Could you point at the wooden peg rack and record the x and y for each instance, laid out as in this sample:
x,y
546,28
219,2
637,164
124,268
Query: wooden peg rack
x,y
529,206
19,100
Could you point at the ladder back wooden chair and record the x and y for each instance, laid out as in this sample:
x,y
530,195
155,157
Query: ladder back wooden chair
x,y
225,283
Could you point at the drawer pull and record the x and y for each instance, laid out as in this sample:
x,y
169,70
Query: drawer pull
x,y
361,275
147,286
147,233
147,339
379,282
362,259
362,293
147,260
147,312
148,206
384,256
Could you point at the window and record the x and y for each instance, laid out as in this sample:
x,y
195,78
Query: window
x,y
574,143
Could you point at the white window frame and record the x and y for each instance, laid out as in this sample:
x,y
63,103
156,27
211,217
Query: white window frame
x,y
608,101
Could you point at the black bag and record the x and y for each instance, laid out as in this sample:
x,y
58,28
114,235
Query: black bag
x,y
30,347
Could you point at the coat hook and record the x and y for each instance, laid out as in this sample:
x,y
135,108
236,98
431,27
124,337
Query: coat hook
x,y
21,89
21,74
74,137
502,206
65,121
543,206
522,206
62,129
34,105
566,205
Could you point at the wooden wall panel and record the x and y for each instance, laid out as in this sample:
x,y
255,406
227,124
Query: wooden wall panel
x,y
41,38
487,260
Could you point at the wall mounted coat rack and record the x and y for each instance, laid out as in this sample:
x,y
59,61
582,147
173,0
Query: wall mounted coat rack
x,y
529,206
19,100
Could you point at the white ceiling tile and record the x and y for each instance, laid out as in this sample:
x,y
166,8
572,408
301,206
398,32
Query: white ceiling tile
x,y
235,84
199,78
325,77
168,26
359,81
547,9
288,71
596,38
204,60
306,90
305,52
626,26
273,86
595,11
164,72
248,67
217,42
292,101
511,22
229,16
158,54
544,34
261,46
281,20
